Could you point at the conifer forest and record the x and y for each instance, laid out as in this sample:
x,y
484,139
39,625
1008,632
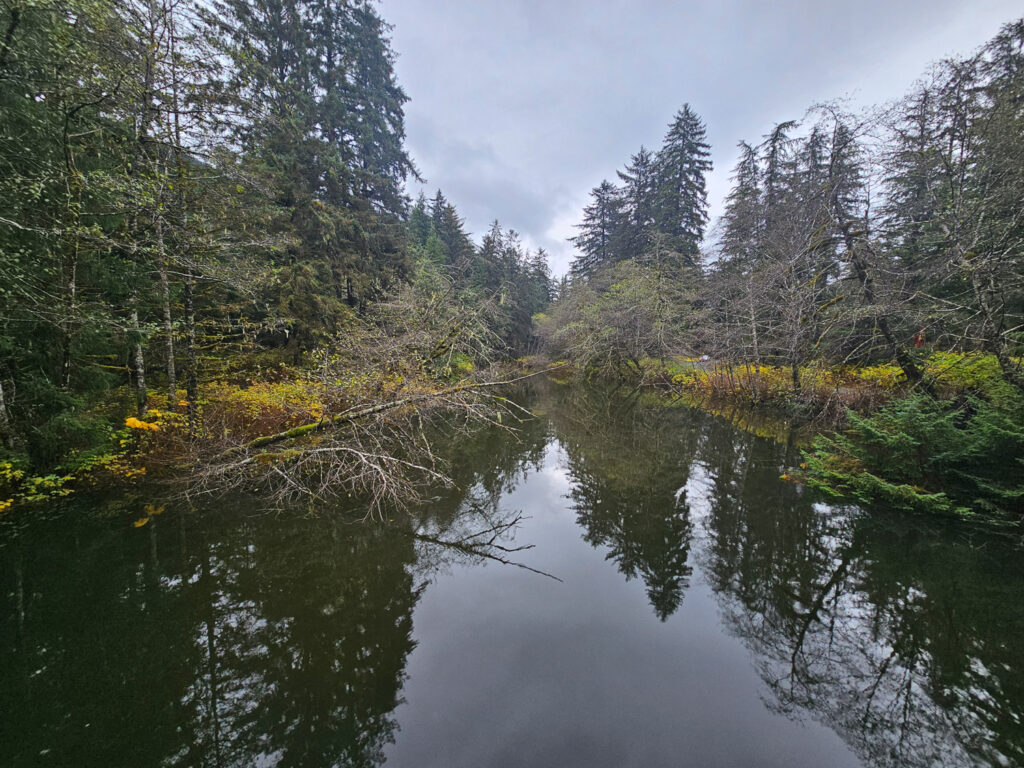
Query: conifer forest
x,y
227,284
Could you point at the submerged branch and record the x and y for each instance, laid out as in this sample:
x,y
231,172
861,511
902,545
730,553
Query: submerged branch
x,y
480,550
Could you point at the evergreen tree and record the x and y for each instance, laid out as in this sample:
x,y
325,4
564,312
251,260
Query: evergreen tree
x,y
322,124
987,244
450,229
682,201
914,186
438,208
433,249
602,220
490,268
742,221
375,110
639,193
778,165
420,224
540,274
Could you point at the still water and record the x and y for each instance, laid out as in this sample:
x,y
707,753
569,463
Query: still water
x,y
705,613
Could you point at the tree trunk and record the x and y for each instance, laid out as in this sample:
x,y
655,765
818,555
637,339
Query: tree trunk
x,y
350,292
165,295
69,265
6,430
860,269
994,337
12,27
191,374
899,351
867,289
137,362
191,366
71,288
753,325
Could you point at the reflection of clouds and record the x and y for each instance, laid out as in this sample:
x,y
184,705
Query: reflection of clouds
x,y
698,490
284,641
555,470
478,519
849,667
624,467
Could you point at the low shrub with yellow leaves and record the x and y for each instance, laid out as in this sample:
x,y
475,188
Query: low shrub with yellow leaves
x,y
133,423
969,372
260,408
21,487
115,460
266,407
886,375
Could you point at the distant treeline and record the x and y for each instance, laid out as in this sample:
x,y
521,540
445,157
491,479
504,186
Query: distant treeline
x,y
846,238
869,262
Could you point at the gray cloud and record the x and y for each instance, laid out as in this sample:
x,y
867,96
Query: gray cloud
x,y
519,108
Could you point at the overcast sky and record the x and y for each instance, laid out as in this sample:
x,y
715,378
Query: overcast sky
x,y
520,107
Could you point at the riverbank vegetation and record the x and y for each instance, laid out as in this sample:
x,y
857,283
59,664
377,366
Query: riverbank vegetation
x,y
205,241
210,267
867,273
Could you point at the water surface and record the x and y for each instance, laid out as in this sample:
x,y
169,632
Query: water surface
x,y
707,614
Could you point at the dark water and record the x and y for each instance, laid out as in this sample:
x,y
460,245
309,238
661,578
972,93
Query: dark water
x,y
709,614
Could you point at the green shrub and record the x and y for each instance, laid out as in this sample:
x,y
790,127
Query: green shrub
x,y
963,457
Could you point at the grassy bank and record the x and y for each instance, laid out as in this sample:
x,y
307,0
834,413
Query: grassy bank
x,y
826,393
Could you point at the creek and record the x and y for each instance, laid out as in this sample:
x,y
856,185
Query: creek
x,y
704,613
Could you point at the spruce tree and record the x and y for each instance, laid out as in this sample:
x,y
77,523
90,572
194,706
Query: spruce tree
x,y
640,196
540,279
602,220
374,108
915,192
778,163
742,221
681,210
419,221
450,229
322,125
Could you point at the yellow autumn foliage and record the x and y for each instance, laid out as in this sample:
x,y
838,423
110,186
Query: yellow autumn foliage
x,y
135,423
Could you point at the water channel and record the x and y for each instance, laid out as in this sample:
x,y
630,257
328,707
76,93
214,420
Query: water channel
x,y
704,613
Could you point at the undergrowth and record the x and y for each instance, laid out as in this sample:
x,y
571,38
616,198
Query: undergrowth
x,y
962,457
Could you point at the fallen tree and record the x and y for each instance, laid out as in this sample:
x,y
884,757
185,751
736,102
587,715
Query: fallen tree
x,y
362,420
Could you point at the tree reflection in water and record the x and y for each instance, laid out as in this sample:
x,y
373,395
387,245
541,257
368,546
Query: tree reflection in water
x,y
906,636
233,639
903,635
627,470
226,638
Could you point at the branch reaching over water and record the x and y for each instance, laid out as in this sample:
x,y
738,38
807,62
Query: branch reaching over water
x,y
362,412
374,453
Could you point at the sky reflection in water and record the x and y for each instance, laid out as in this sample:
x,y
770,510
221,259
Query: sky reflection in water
x,y
709,614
